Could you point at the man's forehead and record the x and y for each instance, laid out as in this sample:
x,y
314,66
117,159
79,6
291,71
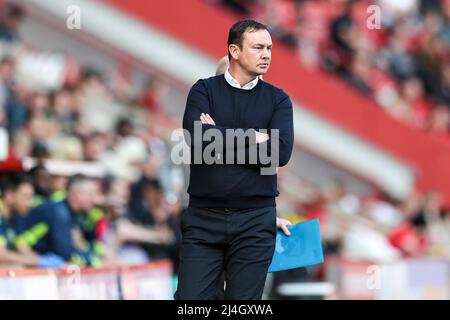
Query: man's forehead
x,y
258,37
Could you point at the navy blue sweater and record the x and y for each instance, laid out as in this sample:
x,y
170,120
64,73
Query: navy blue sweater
x,y
238,185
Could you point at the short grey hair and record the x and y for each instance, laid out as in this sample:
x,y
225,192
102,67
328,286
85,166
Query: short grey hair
x,y
78,182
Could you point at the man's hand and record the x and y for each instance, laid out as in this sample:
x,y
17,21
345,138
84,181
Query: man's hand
x,y
206,119
283,225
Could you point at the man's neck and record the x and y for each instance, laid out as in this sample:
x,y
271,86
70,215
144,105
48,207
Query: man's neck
x,y
239,75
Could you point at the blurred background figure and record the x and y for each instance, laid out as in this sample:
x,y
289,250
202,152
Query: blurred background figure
x,y
70,228
222,65
16,202
9,24
149,230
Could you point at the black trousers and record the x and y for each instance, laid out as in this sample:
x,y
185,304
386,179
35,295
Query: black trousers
x,y
239,242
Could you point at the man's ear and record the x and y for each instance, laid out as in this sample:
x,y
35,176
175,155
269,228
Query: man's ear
x,y
234,51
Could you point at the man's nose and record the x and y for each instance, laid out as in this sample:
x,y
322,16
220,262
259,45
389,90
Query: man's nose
x,y
265,54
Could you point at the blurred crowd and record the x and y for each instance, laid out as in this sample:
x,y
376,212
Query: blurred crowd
x,y
374,227
65,117
369,229
126,208
404,65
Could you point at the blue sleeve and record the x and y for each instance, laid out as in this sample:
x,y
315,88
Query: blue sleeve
x,y
279,146
243,140
198,103
60,223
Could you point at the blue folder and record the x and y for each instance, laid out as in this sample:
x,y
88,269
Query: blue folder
x,y
302,248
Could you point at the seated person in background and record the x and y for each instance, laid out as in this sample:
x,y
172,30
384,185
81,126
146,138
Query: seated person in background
x,y
42,183
61,233
15,202
89,228
9,23
150,233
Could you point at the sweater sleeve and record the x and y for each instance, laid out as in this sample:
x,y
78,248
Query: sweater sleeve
x,y
277,150
282,121
198,103
243,142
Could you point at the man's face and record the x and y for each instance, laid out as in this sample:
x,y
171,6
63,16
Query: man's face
x,y
43,182
255,54
6,70
84,196
152,196
22,198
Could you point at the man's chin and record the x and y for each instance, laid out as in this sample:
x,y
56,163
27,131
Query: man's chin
x,y
261,71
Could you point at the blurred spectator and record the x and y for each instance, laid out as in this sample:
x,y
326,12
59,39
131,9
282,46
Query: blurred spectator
x,y
91,228
117,198
310,32
384,211
6,78
9,23
439,123
42,183
280,15
12,96
64,106
398,50
21,144
149,232
59,187
153,96
222,65
430,210
98,109
94,146
413,94
15,203
360,73
124,128
39,151
239,6
442,89
343,37
61,224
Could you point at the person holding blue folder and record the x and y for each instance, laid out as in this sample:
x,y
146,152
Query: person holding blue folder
x,y
230,224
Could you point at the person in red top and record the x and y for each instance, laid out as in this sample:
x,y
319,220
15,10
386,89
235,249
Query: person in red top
x,y
410,240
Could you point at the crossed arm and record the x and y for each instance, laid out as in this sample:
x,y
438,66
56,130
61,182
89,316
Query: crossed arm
x,y
198,110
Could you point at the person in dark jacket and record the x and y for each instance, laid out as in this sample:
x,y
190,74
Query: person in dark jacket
x,y
240,130
56,227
